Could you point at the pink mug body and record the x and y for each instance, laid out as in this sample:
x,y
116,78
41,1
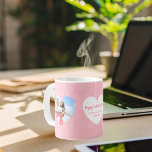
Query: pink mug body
x,y
78,108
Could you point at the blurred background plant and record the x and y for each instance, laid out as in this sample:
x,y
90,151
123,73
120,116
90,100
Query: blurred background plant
x,y
44,41
108,17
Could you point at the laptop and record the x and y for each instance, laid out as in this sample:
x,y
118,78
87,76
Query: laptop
x,y
131,91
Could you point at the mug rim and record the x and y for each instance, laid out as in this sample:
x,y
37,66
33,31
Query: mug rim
x,y
78,79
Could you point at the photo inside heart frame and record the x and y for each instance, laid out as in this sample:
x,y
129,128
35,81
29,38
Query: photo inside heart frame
x,y
64,108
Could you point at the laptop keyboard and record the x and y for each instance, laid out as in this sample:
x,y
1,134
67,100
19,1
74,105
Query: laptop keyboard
x,y
124,101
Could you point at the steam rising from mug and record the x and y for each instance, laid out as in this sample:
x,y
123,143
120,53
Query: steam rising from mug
x,y
85,49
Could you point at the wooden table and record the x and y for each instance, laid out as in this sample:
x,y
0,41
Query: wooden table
x,y
23,128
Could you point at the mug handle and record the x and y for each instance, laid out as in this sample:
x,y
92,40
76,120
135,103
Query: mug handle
x,y
46,105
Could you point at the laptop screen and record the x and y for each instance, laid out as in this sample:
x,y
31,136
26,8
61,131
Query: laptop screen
x,y
133,72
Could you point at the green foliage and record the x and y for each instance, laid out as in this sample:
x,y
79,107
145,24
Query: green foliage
x,y
113,148
111,18
81,5
130,2
86,25
111,9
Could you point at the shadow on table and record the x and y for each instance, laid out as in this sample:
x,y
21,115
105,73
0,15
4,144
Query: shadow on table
x,y
25,98
40,144
45,141
34,121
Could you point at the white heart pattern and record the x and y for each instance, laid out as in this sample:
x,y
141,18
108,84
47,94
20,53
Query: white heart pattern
x,y
93,108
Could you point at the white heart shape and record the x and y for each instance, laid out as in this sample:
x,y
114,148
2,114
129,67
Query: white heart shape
x,y
93,108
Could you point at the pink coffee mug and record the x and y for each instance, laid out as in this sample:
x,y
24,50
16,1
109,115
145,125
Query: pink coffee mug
x,y
78,107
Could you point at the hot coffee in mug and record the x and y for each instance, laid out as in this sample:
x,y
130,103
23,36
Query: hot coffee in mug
x,y
78,107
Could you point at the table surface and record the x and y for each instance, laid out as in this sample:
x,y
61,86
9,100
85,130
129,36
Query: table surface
x,y
23,128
